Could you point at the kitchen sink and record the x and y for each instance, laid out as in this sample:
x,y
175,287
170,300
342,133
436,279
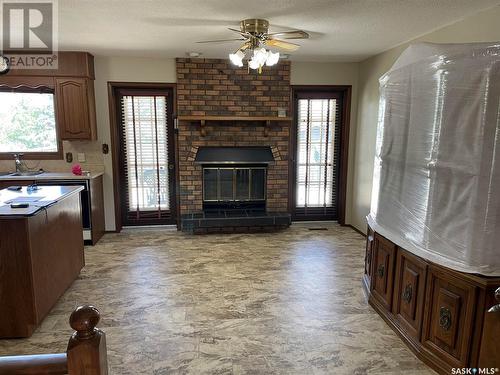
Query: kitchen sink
x,y
30,173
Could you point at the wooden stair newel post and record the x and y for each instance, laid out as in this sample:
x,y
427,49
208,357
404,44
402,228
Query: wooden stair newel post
x,y
87,346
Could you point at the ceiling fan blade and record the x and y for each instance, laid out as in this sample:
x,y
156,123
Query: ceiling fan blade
x,y
295,34
243,33
287,46
221,40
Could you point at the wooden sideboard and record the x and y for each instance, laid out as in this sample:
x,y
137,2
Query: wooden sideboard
x,y
441,314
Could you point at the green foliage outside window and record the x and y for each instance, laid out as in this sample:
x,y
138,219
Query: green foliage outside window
x,y
27,122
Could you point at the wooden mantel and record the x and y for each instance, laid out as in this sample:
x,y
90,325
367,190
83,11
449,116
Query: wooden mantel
x,y
203,120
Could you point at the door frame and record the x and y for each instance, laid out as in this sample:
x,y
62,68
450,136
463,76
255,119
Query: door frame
x,y
345,91
114,115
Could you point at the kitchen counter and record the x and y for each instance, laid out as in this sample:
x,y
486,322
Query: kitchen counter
x,y
41,254
39,199
51,176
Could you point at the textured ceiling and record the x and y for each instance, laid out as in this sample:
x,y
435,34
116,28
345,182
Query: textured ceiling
x,y
341,30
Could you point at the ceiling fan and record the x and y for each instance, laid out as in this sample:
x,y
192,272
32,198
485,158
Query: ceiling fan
x,y
255,36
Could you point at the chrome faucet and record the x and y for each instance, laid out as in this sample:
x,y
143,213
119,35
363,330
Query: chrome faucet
x,y
20,166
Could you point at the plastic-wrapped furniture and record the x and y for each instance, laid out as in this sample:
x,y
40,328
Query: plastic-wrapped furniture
x,y
433,246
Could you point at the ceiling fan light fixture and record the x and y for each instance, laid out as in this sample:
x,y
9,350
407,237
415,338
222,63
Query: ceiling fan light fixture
x,y
272,58
253,64
260,55
237,58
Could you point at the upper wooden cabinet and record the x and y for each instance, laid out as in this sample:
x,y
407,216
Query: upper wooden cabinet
x,y
73,85
75,105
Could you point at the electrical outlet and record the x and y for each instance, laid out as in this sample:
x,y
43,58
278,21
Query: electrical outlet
x,y
80,157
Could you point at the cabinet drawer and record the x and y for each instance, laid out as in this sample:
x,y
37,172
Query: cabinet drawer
x,y
384,252
449,316
411,273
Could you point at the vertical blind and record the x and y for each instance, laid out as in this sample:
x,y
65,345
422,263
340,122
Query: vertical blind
x,y
317,154
146,154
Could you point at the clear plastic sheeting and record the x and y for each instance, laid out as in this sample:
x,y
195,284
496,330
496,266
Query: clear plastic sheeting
x,y
436,184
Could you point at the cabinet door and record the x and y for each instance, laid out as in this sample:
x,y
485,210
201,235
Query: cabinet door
x,y
411,273
449,316
73,108
368,258
384,252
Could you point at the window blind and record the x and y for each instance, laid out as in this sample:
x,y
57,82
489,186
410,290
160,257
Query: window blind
x,y
318,153
144,127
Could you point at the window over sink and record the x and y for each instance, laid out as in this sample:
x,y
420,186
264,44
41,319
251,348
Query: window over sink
x,y
28,124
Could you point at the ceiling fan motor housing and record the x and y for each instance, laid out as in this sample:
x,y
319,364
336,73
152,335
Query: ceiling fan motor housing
x,y
254,26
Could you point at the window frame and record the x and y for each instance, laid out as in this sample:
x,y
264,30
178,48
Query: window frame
x,y
37,155
343,92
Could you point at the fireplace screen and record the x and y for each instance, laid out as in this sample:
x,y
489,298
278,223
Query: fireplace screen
x,y
234,184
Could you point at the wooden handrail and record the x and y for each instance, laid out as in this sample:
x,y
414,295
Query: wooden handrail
x,y
34,364
86,353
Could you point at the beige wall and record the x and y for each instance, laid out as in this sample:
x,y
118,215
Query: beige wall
x,y
481,27
123,69
303,73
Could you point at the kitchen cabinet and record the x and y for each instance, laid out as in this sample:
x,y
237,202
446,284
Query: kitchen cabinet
x,y
41,254
75,105
73,86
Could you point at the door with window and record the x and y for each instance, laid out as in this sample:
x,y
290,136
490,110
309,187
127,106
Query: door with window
x,y
316,154
146,160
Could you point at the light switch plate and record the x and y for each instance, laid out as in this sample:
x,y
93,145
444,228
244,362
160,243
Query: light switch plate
x,y
80,157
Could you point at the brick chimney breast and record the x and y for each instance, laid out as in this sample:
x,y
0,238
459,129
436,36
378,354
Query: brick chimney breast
x,y
214,87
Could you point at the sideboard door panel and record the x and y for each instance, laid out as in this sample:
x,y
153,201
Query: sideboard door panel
x,y
449,317
411,273
384,253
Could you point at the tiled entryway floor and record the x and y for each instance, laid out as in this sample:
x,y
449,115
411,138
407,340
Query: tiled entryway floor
x,y
286,303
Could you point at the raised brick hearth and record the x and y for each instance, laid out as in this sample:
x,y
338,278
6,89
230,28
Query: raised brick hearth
x,y
213,87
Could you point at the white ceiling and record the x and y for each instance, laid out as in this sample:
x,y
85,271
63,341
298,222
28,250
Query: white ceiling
x,y
341,30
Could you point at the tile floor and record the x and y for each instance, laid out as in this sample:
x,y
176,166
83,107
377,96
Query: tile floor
x,y
283,303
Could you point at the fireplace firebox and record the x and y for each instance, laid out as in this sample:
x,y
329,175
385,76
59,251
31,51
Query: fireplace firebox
x,y
234,187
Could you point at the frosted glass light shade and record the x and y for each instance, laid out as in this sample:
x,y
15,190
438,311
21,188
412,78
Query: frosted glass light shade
x,y
237,58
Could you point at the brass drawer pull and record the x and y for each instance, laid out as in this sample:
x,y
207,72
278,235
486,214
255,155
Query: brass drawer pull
x,y
445,318
381,270
407,293
496,308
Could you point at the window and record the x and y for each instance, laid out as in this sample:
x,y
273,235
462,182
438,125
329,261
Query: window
x,y
315,152
27,123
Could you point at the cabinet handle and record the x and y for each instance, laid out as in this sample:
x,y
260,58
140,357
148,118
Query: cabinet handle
x,y
445,318
407,293
381,270
496,308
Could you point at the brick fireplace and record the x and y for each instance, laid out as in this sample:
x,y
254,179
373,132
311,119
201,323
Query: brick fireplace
x,y
219,105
